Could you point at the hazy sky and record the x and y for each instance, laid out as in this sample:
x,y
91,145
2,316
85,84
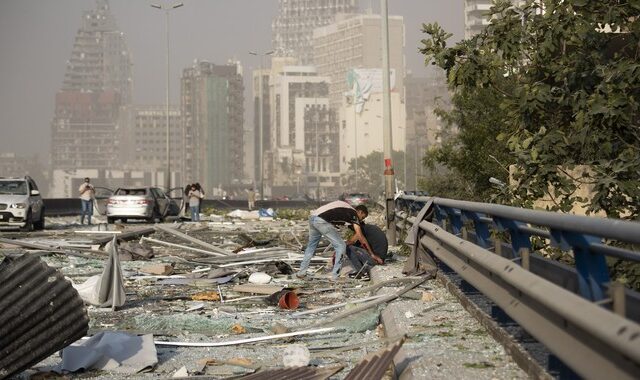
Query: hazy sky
x,y
36,38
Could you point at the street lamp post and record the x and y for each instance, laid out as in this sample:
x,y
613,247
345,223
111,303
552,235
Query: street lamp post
x,y
355,144
317,117
260,127
387,142
166,10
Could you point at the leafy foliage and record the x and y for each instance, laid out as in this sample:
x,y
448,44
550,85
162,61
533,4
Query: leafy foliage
x,y
548,88
371,172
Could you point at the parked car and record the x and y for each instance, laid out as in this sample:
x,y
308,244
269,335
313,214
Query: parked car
x,y
356,199
148,203
21,204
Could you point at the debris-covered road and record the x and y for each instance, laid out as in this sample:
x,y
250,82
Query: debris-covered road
x,y
220,300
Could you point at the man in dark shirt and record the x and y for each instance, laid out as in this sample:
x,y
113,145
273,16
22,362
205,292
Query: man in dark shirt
x,y
363,259
322,222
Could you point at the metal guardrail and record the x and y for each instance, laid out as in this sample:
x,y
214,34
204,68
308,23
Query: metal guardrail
x,y
577,313
71,206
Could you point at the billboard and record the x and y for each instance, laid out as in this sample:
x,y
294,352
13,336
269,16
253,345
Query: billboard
x,y
364,82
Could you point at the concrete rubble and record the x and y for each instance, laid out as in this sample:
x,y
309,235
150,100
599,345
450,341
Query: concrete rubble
x,y
219,299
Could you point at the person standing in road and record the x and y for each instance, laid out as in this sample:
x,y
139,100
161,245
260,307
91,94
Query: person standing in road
x,y
322,222
251,198
87,195
199,188
194,203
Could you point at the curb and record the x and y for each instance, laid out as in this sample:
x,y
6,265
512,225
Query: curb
x,y
403,362
527,363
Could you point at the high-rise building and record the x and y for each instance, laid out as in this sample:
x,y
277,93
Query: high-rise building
x,y
96,83
261,95
424,127
476,15
143,144
355,42
212,107
293,26
361,123
304,147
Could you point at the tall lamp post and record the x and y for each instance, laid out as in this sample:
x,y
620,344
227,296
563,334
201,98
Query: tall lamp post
x,y
316,119
260,127
166,10
386,136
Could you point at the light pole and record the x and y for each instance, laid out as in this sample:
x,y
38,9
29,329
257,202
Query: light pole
x,y
355,132
316,118
166,10
260,117
386,89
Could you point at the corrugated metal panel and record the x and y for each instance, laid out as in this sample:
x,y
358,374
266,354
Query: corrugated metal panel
x,y
375,367
40,313
295,373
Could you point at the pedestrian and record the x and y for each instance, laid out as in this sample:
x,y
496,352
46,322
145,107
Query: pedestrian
x,y
87,195
362,259
322,222
201,190
194,203
251,198
187,189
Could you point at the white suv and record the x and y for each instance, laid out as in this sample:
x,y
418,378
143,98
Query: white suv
x,y
21,205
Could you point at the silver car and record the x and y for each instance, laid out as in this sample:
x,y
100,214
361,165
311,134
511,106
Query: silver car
x,y
21,204
148,203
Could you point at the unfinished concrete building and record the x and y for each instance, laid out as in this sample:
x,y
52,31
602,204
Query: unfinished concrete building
x,y
293,26
97,82
212,106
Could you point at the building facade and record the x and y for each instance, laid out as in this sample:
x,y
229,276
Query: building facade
x,y
261,127
424,95
143,142
302,155
476,15
212,107
355,42
96,83
293,26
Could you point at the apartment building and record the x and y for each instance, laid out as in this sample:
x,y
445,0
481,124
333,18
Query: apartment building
x,y
304,140
355,42
144,139
212,108
293,26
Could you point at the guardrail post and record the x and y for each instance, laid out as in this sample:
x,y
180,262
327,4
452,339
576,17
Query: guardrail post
x,y
455,217
519,240
441,217
525,258
591,267
617,294
483,236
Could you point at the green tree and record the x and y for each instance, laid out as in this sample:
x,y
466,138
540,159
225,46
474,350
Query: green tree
x,y
550,87
371,173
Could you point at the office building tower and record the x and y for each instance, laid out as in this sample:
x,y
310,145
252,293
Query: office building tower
x,y
212,107
293,26
355,42
143,145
